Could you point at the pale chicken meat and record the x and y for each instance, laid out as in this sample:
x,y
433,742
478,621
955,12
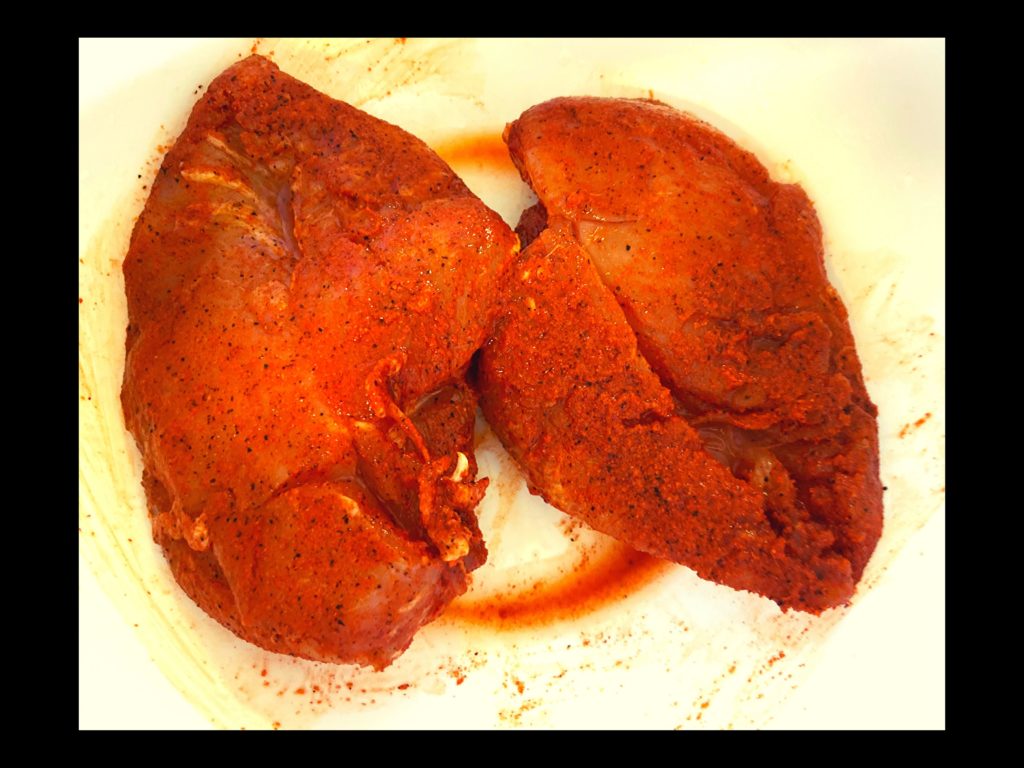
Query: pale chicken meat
x,y
672,365
306,287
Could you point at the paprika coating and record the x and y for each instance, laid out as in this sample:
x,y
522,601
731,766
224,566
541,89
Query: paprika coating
x,y
672,365
306,286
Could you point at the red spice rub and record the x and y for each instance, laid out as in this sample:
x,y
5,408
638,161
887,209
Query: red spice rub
x,y
672,365
306,286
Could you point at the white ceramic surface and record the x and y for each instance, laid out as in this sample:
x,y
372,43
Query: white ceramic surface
x,y
859,123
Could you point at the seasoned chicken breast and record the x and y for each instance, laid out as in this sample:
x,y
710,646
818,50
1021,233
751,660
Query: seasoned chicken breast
x,y
306,286
672,365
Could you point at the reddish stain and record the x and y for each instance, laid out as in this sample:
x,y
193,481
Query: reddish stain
x,y
596,582
907,427
485,150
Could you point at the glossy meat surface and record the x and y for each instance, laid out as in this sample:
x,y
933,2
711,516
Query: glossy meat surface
x,y
306,286
672,365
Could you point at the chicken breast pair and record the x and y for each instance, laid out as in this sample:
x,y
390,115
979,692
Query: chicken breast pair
x,y
307,289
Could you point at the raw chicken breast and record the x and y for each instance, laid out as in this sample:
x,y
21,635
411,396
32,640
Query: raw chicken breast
x,y
672,365
306,286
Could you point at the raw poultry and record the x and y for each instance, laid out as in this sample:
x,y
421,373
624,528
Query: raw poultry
x,y
672,365
306,287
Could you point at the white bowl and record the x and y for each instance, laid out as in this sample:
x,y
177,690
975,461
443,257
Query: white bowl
x,y
859,123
